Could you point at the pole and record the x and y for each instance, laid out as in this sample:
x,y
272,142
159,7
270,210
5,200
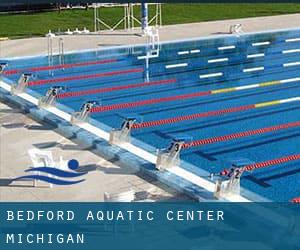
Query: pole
x,y
144,9
95,17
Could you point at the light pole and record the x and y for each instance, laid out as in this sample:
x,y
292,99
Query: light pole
x,y
144,14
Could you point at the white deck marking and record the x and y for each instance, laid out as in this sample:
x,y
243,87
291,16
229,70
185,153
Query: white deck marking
x,y
178,65
218,60
139,152
290,51
193,51
211,75
292,40
29,98
5,86
256,55
94,130
195,179
253,69
59,113
226,47
261,43
291,64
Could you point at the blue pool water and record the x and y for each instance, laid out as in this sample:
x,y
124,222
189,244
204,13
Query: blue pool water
x,y
237,61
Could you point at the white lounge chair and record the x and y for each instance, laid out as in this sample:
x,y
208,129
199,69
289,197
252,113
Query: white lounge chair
x,y
43,158
128,196
50,34
69,32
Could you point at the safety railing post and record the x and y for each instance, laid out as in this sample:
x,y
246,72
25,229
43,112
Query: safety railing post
x,y
61,51
50,51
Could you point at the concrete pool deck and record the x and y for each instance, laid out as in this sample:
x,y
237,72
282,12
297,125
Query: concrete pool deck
x,y
108,177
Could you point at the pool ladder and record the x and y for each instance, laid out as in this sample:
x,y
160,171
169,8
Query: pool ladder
x,y
153,41
50,53
61,53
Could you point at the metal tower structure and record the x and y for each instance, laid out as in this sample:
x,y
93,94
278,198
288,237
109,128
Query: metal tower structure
x,y
129,20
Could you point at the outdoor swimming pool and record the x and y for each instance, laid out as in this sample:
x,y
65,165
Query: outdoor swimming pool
x,y
234,98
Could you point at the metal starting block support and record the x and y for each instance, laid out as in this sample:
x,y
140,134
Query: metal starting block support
x,y
84,113
231,185
49,98
118,136
22,84
170,157
236,29
2,67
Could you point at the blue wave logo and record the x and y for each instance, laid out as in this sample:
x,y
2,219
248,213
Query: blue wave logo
x,y
73,165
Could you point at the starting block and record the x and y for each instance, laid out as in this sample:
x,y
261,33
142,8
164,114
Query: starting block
x,y
84,113
22,84
3,65
236,29
122,135
170,157
49,98
231,185
225,188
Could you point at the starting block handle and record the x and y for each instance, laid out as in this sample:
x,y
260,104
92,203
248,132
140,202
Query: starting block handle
x,y
84,113
231,184
122,135
169,157
127,123
3,65
22,83
50,97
